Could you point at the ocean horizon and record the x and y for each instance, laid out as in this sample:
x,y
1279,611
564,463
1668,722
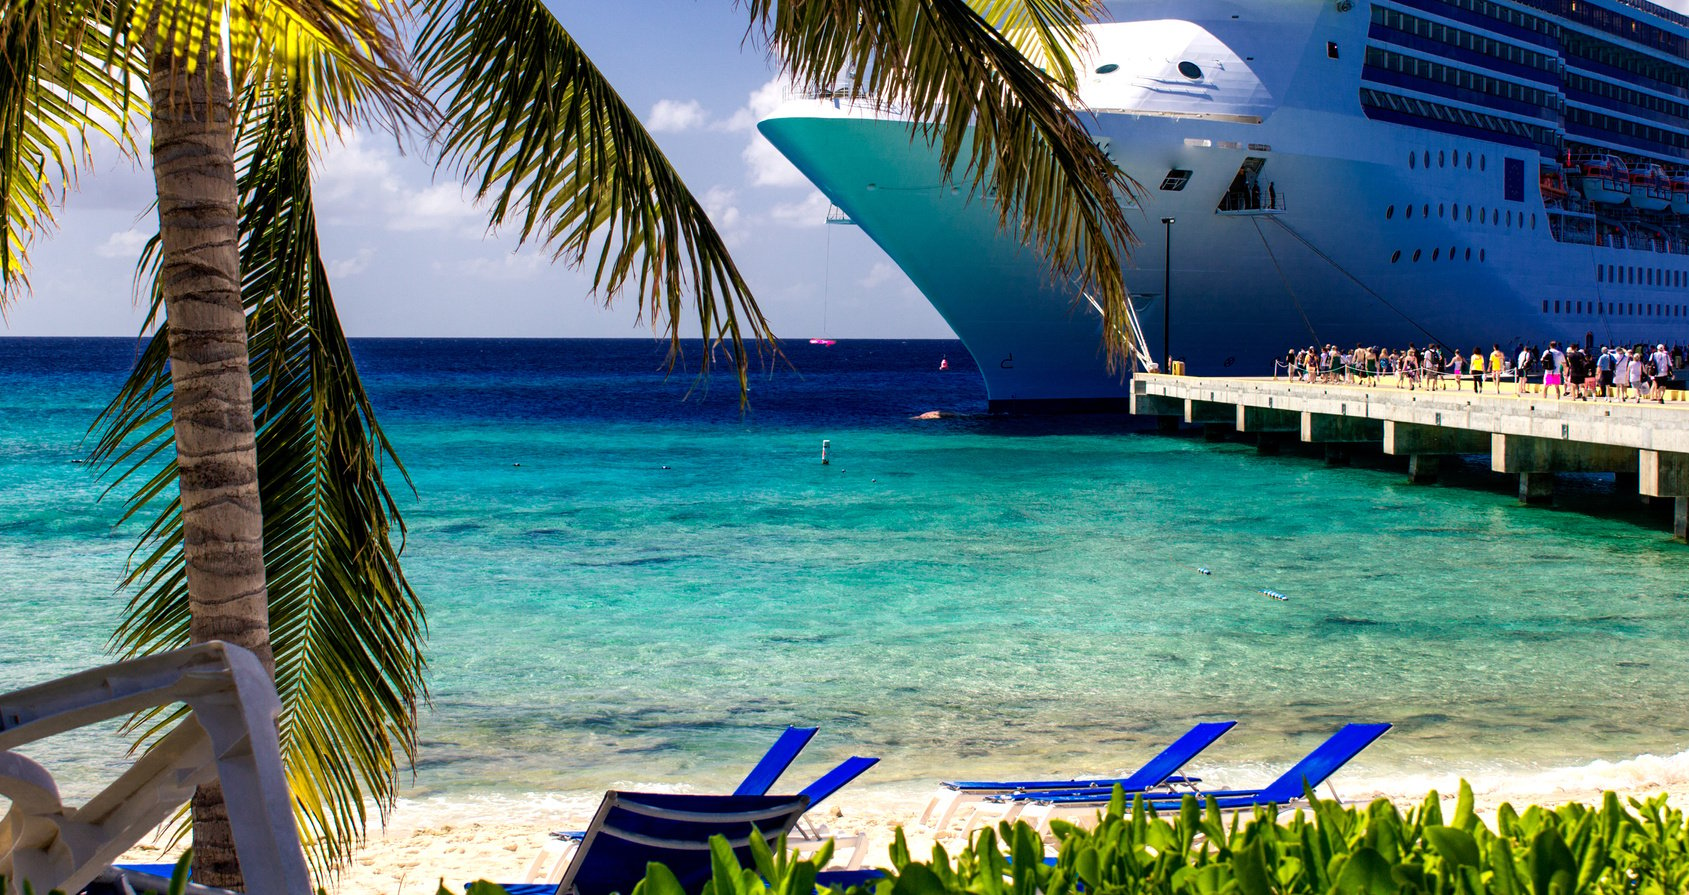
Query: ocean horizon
x,y
631,579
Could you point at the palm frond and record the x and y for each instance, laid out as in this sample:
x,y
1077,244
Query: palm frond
x,y
533,126
63,79
346,627
1047,32
1000,123
344,56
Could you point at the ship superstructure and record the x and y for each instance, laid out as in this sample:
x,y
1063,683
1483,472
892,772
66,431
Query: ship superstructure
x,y
1326,171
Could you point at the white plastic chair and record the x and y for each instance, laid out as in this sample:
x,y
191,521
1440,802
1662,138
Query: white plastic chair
x,y
229,736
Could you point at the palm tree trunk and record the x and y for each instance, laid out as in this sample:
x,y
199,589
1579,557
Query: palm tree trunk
x,y
211,409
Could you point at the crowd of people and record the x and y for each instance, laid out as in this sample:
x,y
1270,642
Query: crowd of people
x,y
1636,373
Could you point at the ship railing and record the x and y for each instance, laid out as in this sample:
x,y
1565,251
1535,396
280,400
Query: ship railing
x,y
842,95
1247,202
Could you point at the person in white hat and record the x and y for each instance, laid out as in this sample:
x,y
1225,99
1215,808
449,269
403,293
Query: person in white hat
x,y
1661,372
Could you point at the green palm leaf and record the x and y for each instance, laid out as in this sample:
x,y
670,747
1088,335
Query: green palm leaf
x,y
540,134
1000,123
62,79
346,627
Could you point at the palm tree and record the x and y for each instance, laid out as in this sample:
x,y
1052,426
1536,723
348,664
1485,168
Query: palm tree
x,y
245,431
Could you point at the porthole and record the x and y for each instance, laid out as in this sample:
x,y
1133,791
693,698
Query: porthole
x,y
1442,159
1557,306
1389,212
1483,215
1469,253
1468,161
1468,214
1435,253
1190,70
1426,210
1410,212
1480,162
1439,209
1451,253
1510,218
1427,159
1533,220
1395,256
1480,256
1416,253
1545,306
1412,160
1106,68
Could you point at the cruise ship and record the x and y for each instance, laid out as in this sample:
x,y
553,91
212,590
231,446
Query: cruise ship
x,y
1385,172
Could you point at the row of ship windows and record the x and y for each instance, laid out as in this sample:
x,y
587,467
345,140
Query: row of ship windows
x,y
1453,213
1616,308
1437,255
1626,127
1459,77
1517,18
1641,276
1656,72
1443,34
1623,94
1379,99
1443,159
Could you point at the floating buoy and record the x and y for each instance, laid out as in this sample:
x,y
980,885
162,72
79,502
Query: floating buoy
x,y
1204,571
824,445
1275,594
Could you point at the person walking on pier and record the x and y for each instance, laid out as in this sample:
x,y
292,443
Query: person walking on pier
x,y
1604,371
1662,372
1577,371
1477,370
1521,369
1498,362
1634,375
1553,370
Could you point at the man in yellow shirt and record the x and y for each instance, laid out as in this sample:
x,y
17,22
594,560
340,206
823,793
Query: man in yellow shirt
x,y
1497,362
1477,370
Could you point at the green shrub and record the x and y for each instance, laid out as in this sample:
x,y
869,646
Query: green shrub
x,y
1378,849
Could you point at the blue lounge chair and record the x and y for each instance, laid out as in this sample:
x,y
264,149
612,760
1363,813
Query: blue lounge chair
x,y
633,829
1158,771
775,762
809,835
1289,788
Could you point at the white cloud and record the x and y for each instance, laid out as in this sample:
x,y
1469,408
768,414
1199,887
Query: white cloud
x,y
811,212
759,104
768,167
123,244
880,274
670,115
359,181
351,267
510,267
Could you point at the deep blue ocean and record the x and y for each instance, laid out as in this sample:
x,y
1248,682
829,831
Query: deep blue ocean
x,y
629,578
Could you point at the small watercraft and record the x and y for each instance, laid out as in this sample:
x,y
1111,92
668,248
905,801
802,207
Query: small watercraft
x,y
824,342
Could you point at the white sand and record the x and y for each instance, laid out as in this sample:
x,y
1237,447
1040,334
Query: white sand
x,y
429,840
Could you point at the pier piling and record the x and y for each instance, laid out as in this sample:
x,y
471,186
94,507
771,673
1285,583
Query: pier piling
x,y
1422,469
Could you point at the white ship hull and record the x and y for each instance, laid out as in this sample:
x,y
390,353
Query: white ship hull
x,y
1341,261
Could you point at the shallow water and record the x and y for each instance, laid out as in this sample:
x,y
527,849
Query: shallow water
x,y
660,584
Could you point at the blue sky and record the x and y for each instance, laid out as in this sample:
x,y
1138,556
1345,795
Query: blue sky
x,y
410,255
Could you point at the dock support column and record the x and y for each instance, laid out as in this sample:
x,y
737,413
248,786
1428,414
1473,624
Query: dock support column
x,y
1422,468
1536,487
1666,474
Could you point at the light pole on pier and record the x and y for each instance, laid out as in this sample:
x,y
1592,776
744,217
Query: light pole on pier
x,y
1167,302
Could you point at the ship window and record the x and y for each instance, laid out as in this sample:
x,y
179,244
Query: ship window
x,y
1413,160
1545,306
1580,307
1451,253
1439,209
1410,212
1468,161
1331,49
1510,217
1556,306
1483,215
1395,256
1426,210
1468,214
1435,253
1533,220
1442,159
1106,68
1190,70
1480,254
1480,163
1600,307
1427,158
1600,274
1469,253
1416,253
1389,212
1176,180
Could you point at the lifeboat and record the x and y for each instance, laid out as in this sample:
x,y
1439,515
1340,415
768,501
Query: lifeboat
x,y
1650,188
1606,179
1553,182
1680,194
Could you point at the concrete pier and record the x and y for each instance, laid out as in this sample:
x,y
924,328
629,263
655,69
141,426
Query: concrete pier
x,y
1645,446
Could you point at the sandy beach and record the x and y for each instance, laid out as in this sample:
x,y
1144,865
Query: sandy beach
x,y
456,840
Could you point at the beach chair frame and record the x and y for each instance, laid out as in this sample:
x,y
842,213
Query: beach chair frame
x,y
230,736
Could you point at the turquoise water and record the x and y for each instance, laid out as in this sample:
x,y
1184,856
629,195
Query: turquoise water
x,y
660,585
